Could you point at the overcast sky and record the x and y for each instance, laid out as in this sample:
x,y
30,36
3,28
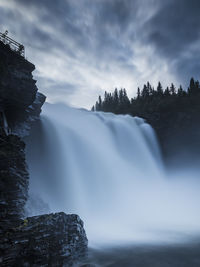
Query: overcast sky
x,y
82,47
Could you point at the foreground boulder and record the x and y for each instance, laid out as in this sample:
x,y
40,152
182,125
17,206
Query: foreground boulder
x,y
46,240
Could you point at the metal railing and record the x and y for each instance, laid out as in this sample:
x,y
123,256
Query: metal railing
x,y
15,46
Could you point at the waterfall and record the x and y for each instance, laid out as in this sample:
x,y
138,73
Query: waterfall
x,y
107,169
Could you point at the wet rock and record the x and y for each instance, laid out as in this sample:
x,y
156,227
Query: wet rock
x,y
24,119
47,240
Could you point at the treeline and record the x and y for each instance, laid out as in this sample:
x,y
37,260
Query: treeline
x,y
151,100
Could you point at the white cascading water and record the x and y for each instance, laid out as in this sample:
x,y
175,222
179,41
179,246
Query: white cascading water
x,y
107,169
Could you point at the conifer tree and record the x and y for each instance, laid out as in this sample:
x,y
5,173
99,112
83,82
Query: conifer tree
x,y
167,92
180,91
138,93
145,91
159,89
192,86
172,89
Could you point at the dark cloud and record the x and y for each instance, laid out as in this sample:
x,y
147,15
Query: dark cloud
x,y
94,26
117,12
174,31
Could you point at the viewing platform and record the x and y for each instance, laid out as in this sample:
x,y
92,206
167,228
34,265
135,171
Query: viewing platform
x,y
15,46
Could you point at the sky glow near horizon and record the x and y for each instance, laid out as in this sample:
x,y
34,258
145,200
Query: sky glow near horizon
x,y
82,48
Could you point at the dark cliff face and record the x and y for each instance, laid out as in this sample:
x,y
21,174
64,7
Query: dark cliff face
x,y
19,97
13,181
17,86
45,240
